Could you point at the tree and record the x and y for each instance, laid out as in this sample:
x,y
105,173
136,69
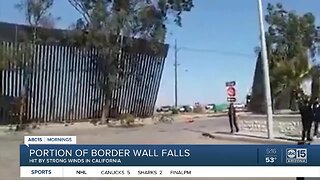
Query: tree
x,y
287,76
105,23
48,21
290,41
137,18
35,12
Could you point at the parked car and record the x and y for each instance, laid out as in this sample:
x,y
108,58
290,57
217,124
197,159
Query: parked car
x,y
211,107
164,109
186,108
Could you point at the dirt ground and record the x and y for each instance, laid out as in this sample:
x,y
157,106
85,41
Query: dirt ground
x,y
88,134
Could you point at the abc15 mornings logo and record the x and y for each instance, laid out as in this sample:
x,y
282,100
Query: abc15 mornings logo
x,y
296,155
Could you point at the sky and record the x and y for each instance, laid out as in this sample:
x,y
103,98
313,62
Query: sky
x,y
220,36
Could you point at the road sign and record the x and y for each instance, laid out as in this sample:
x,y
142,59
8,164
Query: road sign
x,y
231,91
232,99
231,83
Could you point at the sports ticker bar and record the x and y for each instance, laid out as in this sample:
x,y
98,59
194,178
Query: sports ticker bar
x,y
169,171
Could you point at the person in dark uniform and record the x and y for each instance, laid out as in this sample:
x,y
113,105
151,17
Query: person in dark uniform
x,y
232,118
316,121
307,117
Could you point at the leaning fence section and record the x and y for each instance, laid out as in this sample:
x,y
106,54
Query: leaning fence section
x,y
138,94
61,82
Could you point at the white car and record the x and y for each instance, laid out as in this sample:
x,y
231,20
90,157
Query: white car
x,y
181,109
186,108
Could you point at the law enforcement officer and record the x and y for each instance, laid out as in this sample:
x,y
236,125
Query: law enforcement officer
x,y
316,121
307,117
232,118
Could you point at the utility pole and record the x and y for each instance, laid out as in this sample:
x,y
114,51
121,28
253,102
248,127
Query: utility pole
x,y
266,72
175,74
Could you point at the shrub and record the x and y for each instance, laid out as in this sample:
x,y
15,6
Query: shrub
x,y
175,111
127,119
199,109
166,119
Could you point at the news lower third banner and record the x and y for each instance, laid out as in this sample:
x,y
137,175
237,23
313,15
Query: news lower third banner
x,y
62,157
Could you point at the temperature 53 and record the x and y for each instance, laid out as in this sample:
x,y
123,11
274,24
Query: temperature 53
x,y
270,159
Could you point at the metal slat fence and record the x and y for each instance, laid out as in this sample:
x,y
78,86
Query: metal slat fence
x,y
63,82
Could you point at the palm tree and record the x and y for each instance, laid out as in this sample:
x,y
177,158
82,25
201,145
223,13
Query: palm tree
x,y
287,75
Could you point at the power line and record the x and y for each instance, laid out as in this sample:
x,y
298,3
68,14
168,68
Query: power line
x,y
218,52
215,51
